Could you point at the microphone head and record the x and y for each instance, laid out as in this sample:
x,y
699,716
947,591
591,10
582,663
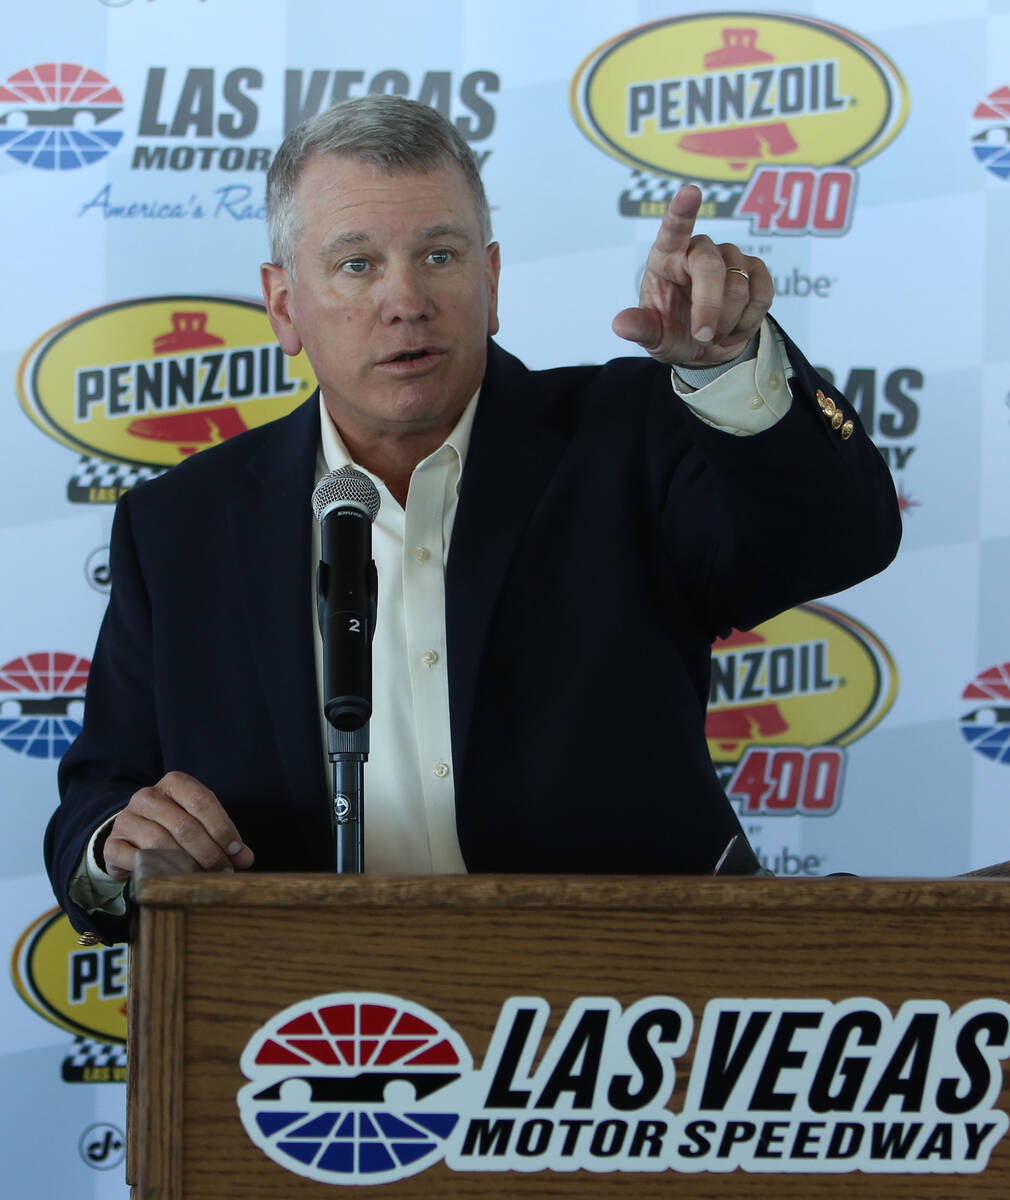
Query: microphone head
x,y
345,486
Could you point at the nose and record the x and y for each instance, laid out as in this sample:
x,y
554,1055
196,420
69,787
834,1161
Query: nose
x,y
406,295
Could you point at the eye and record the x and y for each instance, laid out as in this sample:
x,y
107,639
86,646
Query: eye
x,y
440,257
355,266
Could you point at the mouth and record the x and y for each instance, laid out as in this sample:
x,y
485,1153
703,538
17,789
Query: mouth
x,y
414,359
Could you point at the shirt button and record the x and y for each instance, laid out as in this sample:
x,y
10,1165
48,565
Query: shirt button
x,y
422,553
755,402
429,658
440,770
774,381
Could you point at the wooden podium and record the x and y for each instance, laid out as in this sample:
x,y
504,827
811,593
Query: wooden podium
x,y
215,959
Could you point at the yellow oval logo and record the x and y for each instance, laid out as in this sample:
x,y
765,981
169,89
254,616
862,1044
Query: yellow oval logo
x,y
808,677
81,989
710,98
150,382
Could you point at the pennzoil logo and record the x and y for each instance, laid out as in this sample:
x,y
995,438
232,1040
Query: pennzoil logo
x,y
768,114
785,698
80,989
136,386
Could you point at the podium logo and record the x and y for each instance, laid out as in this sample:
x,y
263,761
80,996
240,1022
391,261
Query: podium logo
x,y
51,116
352,1088
362,1088
147,383
42,703
80,989
784,698
769,115
986,726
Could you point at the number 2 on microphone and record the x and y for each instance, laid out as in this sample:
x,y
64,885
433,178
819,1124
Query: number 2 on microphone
x,y
353,624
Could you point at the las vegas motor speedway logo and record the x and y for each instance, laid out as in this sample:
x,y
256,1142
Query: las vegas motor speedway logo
x,y
42,702
990,137
50,114
368,1088
986,726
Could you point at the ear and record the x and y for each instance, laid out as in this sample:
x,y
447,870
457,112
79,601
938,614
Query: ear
x,y
492,267
277,294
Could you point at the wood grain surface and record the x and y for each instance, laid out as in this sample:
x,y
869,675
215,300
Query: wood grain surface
x,y
160,1031
226,954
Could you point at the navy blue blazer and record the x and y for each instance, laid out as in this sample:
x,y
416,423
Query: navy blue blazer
x,y
604,537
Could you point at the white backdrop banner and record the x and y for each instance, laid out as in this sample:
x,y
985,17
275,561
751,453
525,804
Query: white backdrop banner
x,y
862,149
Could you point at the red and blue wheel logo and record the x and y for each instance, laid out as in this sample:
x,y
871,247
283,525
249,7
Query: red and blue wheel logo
x,y
50,116
986,728
42,703
353,1088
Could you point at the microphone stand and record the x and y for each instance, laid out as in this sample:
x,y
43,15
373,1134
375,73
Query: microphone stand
x,y
348,752
346,503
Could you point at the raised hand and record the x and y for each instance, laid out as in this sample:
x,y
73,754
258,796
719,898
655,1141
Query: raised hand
x,y
699,303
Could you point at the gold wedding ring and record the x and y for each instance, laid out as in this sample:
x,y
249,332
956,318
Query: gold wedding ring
x,y
738,271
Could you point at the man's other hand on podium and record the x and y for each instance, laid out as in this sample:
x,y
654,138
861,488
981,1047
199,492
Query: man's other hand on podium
x,y
177,813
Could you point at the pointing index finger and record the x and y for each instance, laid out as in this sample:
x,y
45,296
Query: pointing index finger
x,y
677,227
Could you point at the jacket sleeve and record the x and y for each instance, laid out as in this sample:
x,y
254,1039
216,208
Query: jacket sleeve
x,y
803,509
118,749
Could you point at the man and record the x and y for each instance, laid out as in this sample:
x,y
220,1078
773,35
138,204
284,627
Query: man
x,y
556,552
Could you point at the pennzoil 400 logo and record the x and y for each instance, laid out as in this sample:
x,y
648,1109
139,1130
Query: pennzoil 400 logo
x,y
770,115
785,699
135,387
80,989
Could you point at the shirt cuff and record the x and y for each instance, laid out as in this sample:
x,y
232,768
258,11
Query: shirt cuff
x,y
749,395
91,887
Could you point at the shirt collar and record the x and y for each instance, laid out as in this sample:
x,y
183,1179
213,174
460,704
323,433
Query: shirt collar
x,y
335,453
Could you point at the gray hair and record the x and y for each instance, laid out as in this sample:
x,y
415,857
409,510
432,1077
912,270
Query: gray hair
x,y
389,133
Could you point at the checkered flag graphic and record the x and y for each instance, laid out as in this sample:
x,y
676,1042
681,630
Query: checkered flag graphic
x,y
94,477
88,1054
648,195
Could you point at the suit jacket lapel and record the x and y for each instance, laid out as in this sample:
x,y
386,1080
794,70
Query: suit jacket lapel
x,y
273,535
514,446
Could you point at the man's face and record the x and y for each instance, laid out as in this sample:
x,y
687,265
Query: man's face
x,y
393,295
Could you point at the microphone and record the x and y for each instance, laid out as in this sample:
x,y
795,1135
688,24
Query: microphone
x,y
345,503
